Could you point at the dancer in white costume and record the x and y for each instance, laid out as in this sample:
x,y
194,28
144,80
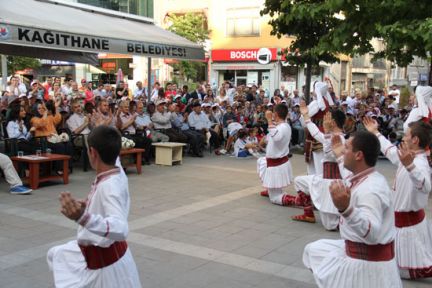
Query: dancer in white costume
x,y
100,256
364,257
275,169
412,186
423,111
316,187
316,110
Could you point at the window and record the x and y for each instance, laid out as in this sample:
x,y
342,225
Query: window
x,y
243,22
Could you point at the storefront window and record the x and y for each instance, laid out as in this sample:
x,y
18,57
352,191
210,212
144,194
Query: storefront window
x,y
289,78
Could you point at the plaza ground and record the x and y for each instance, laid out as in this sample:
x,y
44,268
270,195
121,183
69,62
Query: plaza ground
x,y
201,224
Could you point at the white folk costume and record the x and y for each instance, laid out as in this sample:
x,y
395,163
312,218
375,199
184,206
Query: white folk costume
x,y
423,111
316,187
317,109
365,256
274,169
413,243
100,256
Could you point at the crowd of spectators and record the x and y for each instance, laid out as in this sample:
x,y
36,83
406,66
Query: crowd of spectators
x,y
205,117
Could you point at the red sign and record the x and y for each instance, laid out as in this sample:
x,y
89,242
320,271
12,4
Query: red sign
x,y
240,55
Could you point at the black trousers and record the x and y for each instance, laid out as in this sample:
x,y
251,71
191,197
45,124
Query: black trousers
x,y
195,140
174,135
142,142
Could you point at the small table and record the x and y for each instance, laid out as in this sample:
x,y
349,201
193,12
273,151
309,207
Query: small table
x,y
138,153
34,164
169,153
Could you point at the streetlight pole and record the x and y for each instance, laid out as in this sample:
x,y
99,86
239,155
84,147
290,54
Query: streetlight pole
x,y
4,71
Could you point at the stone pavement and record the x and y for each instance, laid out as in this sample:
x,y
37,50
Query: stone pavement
x,y
201,224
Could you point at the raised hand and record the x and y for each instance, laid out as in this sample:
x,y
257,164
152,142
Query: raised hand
x,y
269,116
406,156
328,123
337,146
340,194
370,124
70,207
303,108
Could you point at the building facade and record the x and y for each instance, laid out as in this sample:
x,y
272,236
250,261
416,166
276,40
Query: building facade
x,y
241,49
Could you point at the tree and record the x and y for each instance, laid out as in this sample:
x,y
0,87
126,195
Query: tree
x,y
307,21
404,27
16,63
190,26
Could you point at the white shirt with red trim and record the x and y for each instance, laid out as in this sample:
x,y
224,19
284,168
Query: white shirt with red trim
x,y
105,218
413,185
324,139
278,139
369,218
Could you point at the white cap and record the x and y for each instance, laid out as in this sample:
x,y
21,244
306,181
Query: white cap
x,y
391,106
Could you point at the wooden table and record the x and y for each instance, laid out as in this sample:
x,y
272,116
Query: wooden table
x,y
34,166
138,152
169,153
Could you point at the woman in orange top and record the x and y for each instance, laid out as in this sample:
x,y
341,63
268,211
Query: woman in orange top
x,y
44,125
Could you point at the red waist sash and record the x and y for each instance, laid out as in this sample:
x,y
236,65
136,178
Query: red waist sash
x,y
411,218
100,257
331,170
375,253
273,162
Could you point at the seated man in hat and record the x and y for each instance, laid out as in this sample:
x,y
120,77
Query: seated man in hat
x,y
199,121
162,122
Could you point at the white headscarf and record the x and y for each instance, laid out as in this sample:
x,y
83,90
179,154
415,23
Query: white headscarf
x,y
424,99
321,91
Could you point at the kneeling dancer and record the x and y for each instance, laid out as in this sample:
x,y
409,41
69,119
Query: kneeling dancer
x,y
100,256
275,169
313,190
365,255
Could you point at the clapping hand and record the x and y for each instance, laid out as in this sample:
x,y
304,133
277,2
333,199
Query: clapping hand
x,y
303,108
340,194
406,156
269,116
371,125
337,146
328,123
70,207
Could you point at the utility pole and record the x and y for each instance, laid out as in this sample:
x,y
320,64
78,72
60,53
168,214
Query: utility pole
x,y
4,71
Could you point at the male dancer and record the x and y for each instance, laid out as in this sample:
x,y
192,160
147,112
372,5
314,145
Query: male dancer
x,y
412,187
364,257
275,170
423,111
100,257
317,186
316,111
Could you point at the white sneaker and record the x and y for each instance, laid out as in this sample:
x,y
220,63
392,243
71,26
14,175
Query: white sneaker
x,y
222,151
256,155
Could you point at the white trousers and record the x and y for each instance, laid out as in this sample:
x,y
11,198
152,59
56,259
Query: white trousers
x,y
305,183
9,171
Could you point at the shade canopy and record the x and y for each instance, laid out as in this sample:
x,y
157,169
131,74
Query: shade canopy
x,y
76,33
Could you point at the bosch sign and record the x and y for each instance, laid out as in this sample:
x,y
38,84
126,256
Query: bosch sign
x,y
241,55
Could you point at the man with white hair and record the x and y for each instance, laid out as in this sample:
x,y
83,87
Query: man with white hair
x,y
423,111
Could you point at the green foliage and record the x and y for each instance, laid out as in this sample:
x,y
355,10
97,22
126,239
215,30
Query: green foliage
x,y
307,21
404,26
190,26
404,97
16,63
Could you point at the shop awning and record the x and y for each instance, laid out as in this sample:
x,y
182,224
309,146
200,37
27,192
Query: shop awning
x,y
73,32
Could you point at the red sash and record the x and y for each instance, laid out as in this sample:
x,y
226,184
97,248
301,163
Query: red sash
x,y
375,253
411,218
100,257
331,170
273,162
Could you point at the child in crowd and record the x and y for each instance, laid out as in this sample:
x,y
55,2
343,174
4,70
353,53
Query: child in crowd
x,y
242,147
